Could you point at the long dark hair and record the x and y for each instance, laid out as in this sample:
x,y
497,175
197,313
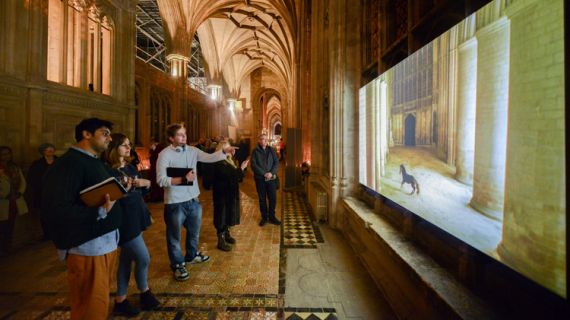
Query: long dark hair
x,y
111,155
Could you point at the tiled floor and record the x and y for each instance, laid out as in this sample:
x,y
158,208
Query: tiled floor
x,y
298,229
250,282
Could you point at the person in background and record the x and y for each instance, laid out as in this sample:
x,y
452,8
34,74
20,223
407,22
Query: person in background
x,y
225,179
243,152
264,164
34,180
136,218
86,237
135,159
12,203
201,144
156,192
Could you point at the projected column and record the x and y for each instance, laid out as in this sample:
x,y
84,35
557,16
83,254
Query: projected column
x,y
491,118
534,225
466,98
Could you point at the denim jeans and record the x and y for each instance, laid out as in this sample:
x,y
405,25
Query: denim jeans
x,y
266,190
133,251
176,215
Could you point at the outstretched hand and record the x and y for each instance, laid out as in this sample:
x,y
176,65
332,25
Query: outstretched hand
x,y
230,150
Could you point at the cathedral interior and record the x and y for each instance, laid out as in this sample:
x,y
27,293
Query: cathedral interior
x,y
353,243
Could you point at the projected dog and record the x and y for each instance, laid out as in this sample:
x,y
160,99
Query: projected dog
x,y
408,178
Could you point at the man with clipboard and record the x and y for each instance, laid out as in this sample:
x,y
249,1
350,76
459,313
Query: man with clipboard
x,y
176,172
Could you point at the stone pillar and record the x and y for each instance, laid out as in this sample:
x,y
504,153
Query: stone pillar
x,y
80,67
491,118
345,41
35,74
466,102
534,224
37,39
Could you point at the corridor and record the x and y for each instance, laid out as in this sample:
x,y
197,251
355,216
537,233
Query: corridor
x,y
300,275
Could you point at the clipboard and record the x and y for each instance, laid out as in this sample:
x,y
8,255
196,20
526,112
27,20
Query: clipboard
x,y
174,172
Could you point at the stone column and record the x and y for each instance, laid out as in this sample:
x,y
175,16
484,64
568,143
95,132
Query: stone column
x,y
35,74
80,64
466,102
344,40
37,41
534,224
491,118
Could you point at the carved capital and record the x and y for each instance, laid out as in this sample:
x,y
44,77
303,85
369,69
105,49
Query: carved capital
x,y
82,4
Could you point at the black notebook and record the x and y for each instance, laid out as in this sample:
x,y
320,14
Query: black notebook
x,y
173,172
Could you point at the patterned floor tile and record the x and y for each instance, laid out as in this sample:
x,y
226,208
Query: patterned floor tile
x,y
298,228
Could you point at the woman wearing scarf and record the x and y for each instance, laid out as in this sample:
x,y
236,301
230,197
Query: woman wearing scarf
x,y
12,203
225,179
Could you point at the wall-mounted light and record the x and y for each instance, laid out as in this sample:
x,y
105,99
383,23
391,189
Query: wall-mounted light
x,y
178,65
231,103
215,91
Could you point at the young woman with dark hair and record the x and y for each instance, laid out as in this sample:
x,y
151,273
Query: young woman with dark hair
x,y
136,218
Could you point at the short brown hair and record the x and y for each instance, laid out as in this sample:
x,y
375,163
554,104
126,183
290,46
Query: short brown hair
x,y
173,128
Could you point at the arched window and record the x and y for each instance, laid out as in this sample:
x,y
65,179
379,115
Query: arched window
x,y
66,54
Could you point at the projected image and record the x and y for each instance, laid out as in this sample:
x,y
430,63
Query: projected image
x,y
468,133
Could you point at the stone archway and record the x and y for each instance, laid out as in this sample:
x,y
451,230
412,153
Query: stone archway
x,y
260,111
410,131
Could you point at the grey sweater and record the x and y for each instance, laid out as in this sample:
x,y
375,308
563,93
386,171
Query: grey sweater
x,y
180,157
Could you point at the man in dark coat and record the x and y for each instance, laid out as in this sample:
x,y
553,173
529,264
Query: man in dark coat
x,y
34,181
264,164
86,237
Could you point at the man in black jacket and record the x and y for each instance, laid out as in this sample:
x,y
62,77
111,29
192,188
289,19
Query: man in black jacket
x,y
86,237
264,164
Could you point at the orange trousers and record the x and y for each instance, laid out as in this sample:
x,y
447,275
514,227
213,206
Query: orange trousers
x,y
89,285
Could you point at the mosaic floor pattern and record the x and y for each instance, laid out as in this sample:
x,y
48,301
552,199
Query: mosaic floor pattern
x,y
54,305
298,228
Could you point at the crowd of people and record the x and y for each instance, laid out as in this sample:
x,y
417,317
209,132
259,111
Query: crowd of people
x,y
88,238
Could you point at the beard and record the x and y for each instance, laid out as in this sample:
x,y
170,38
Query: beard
x,y
100,148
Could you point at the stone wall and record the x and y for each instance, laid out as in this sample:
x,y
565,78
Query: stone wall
x,y
186,105
34,110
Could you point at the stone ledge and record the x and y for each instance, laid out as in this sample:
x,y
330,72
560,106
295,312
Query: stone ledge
x,y
422,282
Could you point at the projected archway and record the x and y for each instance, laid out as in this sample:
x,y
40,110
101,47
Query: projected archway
x,y
410,131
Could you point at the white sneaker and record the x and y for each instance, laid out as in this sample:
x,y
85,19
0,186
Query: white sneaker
x,y
180,272
199,258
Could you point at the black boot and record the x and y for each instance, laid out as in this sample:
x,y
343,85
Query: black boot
x,y
228,237
222,245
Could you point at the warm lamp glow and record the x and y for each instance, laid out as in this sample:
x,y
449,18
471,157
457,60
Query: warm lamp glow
x,y
215,91
178,64
231,104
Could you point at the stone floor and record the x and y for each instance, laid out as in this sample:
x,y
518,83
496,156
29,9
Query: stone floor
x,y
266,276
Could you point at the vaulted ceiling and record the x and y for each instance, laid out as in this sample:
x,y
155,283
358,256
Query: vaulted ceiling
x,y
236,36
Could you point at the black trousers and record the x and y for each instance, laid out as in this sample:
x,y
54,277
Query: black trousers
x,y
266,190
